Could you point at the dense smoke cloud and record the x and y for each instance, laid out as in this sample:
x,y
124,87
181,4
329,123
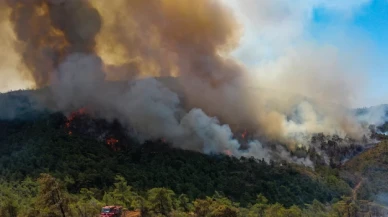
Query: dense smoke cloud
x,y
168,38
11,76
320,90
147,107
77,46
49,30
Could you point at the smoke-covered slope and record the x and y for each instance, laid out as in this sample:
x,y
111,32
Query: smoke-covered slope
x,y
91,151
44,145
376,116
27,104
322,148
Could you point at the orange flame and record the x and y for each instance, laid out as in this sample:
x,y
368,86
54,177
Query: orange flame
x,y
73,115
112,143
244,134
228,152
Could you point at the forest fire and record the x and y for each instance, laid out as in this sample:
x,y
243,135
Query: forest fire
x,y
72,116
158,77
244,134
80,122
112,142
228,152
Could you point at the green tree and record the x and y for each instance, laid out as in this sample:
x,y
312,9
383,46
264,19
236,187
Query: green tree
x,y
122,192
202,207
85,204
8,208
217,206
160,201
184,204
120,195
140,203
344,208
222,210
52,199
293,211
108,198
258,209
275,210
316,209
8,204
177,213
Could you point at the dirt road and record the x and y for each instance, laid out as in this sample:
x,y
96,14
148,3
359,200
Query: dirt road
x,y
356,188
132,214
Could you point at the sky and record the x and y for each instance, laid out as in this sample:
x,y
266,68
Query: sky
x,y
356,31
370,23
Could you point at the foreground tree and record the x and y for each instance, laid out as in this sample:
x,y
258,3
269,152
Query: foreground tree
x,y
258,209
120,195
8,208
217,206
52,199
8,205
161,201
275,210
345,207
184,204
85,204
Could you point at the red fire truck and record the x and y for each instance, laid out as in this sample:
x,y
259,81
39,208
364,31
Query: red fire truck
x,y
111,211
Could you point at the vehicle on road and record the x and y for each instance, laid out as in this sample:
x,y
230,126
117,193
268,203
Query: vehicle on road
x,y
111,211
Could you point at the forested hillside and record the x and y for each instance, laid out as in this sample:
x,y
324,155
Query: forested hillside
x,y
29,148
371,169
91,162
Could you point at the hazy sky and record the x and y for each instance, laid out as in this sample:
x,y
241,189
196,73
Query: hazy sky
x,y
356,29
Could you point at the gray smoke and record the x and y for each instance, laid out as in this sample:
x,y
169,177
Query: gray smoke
x,y
146,106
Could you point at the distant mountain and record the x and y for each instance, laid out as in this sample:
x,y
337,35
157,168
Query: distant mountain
x,y
376,115
23,104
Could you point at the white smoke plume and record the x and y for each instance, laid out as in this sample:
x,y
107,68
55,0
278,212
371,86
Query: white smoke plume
x,y
309,86
376,115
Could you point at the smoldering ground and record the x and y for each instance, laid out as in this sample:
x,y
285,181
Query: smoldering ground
x,y
75,46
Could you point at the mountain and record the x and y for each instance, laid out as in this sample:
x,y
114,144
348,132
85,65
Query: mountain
x,y
91,158
370,168
32,147
376,115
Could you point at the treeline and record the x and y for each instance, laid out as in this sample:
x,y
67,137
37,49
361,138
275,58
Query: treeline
x,y
48,197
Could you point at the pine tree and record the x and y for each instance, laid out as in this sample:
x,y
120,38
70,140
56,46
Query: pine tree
x,y
52,199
